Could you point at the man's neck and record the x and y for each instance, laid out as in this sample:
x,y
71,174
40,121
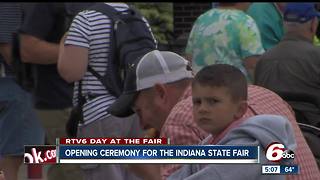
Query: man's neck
x,y
305,36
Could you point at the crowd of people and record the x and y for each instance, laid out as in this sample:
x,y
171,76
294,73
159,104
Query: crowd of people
x,y
238,83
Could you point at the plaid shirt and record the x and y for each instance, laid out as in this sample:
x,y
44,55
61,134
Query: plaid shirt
x,y
181,129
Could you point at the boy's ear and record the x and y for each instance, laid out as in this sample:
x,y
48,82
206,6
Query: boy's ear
x,y
242,109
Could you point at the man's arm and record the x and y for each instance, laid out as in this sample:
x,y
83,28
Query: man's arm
x,y
5,51
190,43
72,62
250,65
267,21
250,45
37,51
38,22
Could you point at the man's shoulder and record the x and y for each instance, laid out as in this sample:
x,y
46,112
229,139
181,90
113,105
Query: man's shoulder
x,y
116,6
185,101
93,17
256,8
302,48
184,104
272,53
263,100
258,92
181,112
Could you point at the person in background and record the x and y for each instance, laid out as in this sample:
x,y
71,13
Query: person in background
x,y
225,35
19,124
293,65
219,97
269,19
157,83
158,95
42,28
88,43
176,121
182,130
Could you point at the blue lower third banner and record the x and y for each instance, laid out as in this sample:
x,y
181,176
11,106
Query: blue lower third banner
x,y
157,154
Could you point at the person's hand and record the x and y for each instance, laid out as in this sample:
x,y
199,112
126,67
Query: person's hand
x,y
151,133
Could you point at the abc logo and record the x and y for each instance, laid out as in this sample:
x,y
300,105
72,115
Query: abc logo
x,y
276,152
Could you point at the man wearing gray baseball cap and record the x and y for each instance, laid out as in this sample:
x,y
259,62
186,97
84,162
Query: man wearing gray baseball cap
x,y
158,89
154,84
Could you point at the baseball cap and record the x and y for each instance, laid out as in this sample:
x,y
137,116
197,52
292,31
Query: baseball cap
x,y
154,67
300,12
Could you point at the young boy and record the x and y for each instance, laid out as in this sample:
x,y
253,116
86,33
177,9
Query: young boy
x,y
219,99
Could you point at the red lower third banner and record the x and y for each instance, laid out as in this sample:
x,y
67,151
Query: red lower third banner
x,y
40,154
113,141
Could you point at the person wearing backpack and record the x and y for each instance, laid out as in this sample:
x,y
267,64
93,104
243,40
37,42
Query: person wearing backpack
x,y
90,55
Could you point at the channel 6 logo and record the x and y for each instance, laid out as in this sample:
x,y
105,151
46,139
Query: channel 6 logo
x,y
276,152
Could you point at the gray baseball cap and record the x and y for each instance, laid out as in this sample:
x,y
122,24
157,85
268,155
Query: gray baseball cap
x,y
154,67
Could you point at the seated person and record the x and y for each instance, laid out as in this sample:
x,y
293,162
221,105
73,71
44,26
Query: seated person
x,y
171,98
182,130
219,101
293,64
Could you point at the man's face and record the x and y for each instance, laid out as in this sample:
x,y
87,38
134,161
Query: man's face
x,y
214,109
149,113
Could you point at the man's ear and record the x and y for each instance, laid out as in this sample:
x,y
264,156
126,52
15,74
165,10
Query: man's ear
x,y
161,91
242,109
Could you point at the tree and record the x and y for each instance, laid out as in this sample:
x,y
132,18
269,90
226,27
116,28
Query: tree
x,y
160,18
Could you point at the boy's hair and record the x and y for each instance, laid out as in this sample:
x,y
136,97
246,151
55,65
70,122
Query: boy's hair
x,y
224,75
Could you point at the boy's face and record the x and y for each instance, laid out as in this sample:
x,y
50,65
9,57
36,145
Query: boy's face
x,y
214,109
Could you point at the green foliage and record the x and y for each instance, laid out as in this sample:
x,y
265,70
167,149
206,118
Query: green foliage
x,y
160,18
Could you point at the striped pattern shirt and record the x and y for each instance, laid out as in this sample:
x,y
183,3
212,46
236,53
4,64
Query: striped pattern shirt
x,y
91,29
10,20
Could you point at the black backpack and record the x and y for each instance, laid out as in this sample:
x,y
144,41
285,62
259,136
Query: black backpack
x,y
131,38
